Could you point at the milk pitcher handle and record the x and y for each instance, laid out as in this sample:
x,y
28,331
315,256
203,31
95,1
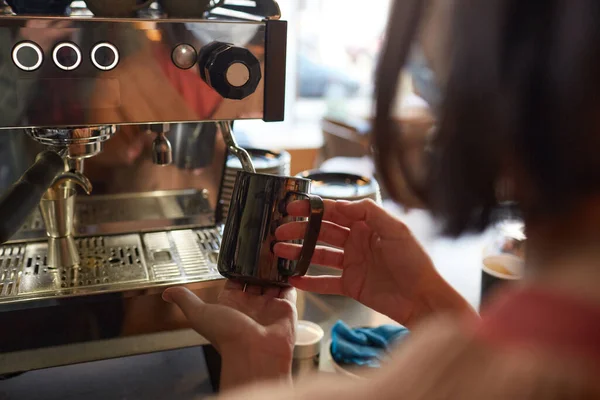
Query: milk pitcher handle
x,y
317,209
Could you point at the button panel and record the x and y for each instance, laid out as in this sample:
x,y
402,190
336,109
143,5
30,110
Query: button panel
x,y
93,94
27,56
105,56
66,56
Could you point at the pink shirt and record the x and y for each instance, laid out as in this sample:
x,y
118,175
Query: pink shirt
x,y
547,320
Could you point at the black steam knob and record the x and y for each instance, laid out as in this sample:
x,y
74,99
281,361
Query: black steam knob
x,y
234,72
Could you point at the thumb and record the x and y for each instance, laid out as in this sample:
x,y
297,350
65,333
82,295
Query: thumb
x,y
197,312
376,217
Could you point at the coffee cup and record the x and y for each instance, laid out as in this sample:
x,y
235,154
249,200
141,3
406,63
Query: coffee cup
x,y
258,207
499,270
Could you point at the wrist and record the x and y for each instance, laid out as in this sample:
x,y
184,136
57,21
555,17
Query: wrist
x,y
439,297
244,367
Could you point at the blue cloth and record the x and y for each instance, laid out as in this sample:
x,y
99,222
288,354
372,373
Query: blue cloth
x,y
364,346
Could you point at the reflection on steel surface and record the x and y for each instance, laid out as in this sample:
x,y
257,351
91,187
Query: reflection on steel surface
x,y
80,142
264,161
124,213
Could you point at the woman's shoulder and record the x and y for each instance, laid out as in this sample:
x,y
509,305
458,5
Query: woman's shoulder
x,y
446,358
560,322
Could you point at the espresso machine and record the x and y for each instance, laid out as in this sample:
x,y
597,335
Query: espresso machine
x,y
114,138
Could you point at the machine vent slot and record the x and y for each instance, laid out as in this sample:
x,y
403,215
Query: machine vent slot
x,y
11,266
182,254
193,260
210,240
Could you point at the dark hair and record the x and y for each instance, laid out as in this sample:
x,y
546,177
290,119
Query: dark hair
x,y
522,93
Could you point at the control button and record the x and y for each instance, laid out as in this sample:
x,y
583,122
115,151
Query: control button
x,y
234,72
237,74
184,56
66,56
105,56
28,56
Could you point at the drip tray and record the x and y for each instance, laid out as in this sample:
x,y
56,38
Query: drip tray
x,y
105,261
110,264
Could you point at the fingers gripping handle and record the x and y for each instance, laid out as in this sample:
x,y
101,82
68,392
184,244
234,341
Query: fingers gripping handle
x,y
315,218
317,209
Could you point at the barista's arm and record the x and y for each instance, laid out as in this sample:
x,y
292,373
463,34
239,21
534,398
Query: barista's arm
x,y
253,330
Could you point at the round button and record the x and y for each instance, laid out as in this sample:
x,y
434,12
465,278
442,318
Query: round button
x,y
237,74
27,56
184,56
105,56
66,56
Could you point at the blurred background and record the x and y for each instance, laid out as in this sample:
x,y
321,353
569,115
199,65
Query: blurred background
x,y
333,47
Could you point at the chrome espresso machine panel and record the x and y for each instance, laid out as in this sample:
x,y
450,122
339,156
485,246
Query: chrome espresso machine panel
x,y
125,126
57,72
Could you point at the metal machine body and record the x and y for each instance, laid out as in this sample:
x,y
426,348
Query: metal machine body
x,y
137,107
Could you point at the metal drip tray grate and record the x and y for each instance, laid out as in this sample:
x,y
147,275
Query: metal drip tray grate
x,y
105,261
193,256
111,263
11,261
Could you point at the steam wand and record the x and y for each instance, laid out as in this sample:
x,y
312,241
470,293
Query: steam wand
x,y
237,151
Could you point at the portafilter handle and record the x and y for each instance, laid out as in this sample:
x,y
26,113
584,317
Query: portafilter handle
x,y
24,195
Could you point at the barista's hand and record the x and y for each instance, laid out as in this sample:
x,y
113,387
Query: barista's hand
x,y
383,265
253,331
